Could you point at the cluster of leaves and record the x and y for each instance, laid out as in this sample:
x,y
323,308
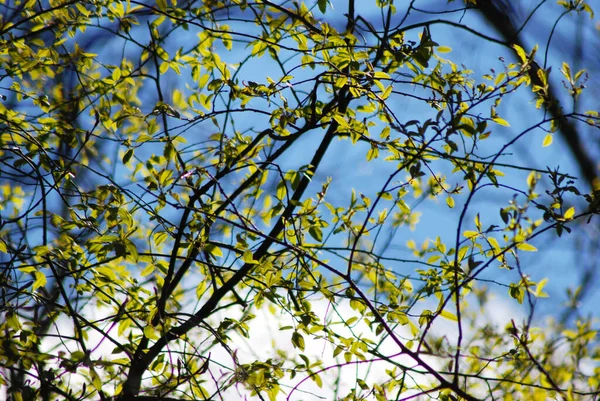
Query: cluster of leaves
x,y
160,191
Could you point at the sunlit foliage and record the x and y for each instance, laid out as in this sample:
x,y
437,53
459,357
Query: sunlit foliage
x,y
172,171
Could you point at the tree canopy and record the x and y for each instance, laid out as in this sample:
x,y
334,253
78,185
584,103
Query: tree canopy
x,y
297,200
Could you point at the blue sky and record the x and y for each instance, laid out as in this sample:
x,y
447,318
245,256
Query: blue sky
x,y
346,164
557,259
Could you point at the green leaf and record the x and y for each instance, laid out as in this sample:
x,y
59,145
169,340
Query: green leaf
x,y
516,292
298,340
317,379
12,319
316,233
127,156
322,5
96,381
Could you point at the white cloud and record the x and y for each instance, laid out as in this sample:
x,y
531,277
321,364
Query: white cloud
x,y
268,342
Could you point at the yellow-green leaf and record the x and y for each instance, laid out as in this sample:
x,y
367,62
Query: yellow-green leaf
x,y
214,250
569,213
298,340
162,4
449,316
524,246
150,332
381,75
96,381
521,53
248,258
539,289
501,121
547,140
107,272
317,379
386,93
470,234
40,280
147,270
